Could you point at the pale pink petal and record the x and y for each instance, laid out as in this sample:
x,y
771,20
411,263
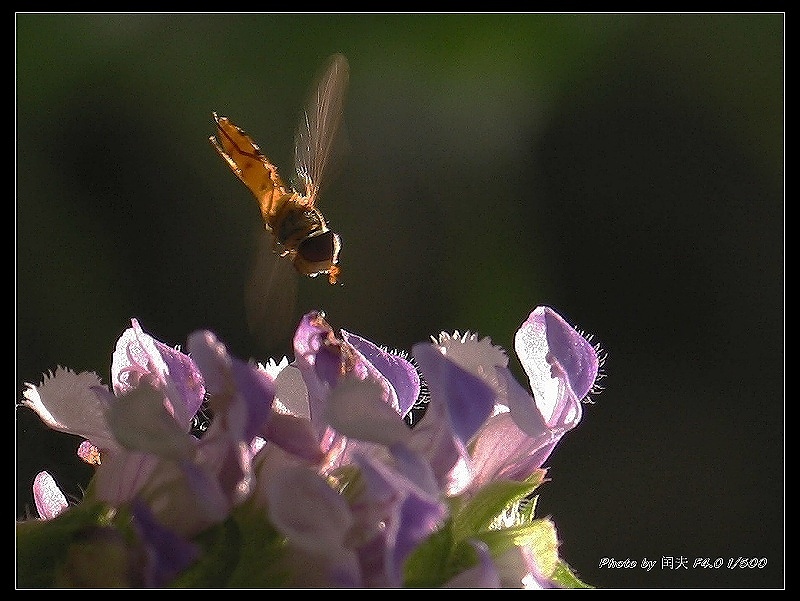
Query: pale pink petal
x,y
49,499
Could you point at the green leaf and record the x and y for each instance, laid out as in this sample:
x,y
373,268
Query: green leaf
x,y
220,553
100,558
492,501
565,577
539,535
42,545
437,560
245,551
263,560
448,552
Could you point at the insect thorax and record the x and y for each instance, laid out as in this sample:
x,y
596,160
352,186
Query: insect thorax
x,y
296,223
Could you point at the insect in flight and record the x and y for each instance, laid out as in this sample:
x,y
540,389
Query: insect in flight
x,y
299,231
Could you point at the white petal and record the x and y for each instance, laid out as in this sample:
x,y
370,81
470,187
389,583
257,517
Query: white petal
x,y
534,354
291,394
273,368
66,401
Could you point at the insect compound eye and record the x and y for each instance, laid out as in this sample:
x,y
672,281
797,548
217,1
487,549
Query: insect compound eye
x,y
321,248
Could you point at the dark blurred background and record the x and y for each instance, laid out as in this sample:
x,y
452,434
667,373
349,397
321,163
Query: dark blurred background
x,y
627,170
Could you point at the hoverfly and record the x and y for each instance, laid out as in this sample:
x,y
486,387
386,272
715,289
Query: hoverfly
x,y
299,231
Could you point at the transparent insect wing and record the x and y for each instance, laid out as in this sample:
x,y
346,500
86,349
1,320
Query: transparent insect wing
x,y
316,135
270,296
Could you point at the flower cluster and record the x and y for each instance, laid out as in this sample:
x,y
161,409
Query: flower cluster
x,y
309,474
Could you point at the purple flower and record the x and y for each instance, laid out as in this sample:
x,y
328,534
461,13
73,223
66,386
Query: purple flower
x,y
521,429
79,404
139,434
319,447
480,425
